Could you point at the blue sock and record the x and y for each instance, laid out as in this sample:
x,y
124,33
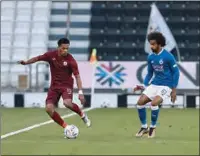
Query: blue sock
x,y
142,115
154,115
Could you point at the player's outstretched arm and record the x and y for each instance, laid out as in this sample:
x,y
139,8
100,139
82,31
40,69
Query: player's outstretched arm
x,y
30,61
44,57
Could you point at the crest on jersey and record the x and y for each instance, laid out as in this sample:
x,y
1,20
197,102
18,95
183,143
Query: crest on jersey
x,y
65,63
161,61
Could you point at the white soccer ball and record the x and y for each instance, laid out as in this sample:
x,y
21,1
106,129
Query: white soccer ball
x,y
71,132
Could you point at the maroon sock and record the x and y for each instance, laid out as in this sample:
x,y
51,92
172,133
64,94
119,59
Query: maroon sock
x,y
76,109
56,117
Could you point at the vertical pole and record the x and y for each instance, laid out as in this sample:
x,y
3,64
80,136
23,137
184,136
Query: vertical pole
x,y
68,19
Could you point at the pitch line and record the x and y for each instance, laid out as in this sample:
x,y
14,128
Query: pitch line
x,y
38,125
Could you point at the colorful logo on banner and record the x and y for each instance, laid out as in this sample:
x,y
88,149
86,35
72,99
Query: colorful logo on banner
x,y
111,75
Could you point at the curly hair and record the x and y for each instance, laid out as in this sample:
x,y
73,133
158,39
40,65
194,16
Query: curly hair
x,y
158,37
63,41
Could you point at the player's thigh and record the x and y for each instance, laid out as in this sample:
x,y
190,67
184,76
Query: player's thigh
x,y
68,103
143,100
53,97
163,92
150,92
157,101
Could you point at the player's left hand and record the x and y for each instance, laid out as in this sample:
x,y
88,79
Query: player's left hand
x,y
81,98
173,96
138,87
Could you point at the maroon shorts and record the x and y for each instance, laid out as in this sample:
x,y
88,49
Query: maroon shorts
x,y
54,94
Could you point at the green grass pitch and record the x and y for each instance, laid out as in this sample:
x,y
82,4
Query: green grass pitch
x,y
112,132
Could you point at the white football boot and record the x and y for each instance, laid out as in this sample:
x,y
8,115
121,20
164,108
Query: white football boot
x,y
86,120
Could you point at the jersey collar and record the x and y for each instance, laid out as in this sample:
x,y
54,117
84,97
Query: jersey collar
x,y
160,52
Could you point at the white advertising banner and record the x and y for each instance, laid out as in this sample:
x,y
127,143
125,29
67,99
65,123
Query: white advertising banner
x,y
38,100
115,75
105,101
34,100
7,100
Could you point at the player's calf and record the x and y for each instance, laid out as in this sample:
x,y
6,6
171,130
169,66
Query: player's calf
x,y
154,118
154,115
142,110
55,116
142,115
75,108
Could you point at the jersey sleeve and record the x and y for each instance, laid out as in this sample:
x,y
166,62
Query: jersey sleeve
x,y
44,57
175,70
149,72
74,67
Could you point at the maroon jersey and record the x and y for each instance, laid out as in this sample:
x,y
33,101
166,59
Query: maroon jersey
x,y
61,68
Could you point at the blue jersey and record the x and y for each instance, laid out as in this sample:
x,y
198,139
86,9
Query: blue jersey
x,y
163,66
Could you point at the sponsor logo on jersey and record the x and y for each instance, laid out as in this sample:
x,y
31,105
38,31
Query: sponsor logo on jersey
x,y
158,68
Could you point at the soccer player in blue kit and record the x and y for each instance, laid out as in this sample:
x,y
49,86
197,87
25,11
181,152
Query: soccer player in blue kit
x,y
162,65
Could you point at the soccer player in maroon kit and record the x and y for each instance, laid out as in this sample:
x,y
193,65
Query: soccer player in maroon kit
x,y
62,66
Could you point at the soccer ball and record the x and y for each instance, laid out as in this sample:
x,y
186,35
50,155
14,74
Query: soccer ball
x,y
71,132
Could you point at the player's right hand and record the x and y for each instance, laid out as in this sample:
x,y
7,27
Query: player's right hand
x,y
173,95
21,62
138,87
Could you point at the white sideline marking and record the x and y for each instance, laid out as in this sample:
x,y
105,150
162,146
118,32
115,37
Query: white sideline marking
x,y
38,125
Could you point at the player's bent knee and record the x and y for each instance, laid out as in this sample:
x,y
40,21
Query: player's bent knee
x,y
140,103
68,103
157,101
49,108
143,100
154,104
